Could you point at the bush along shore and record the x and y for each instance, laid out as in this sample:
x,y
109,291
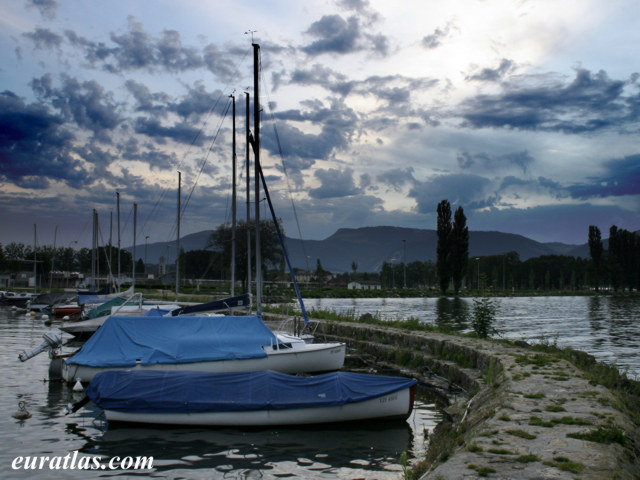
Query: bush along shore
x,y
530,412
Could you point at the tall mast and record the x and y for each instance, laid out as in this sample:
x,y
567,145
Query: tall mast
x,y
93,252
118,206
233,204
110,248
256,153
178,238
35,259
53,257
248,133
135,228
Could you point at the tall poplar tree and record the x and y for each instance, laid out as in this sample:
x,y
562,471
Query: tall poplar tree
x,y
595,249
444,229
459,249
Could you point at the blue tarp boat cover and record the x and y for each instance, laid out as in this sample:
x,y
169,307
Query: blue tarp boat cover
x,y
121,341
188,391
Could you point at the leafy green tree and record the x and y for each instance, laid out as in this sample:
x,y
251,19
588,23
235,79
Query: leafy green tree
x,y
614,257
459,249
271,250
595,249
443,231
140,268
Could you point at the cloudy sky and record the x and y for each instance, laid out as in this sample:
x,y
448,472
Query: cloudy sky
x,y
525,113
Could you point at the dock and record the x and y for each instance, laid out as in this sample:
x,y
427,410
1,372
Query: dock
x,y
519,411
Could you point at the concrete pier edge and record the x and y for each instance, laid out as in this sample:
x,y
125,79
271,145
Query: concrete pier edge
x,y
526,415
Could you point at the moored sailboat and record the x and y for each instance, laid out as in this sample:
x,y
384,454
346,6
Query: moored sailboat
x,y
249,399
210,344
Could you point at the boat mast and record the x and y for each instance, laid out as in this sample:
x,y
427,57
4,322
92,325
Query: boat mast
x,y
35,260
248,135
93,252
135,227
53,257
256,154
110,248
233,203
118,206
178,238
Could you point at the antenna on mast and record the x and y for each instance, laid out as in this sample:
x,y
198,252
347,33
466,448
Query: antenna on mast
x,y
250,32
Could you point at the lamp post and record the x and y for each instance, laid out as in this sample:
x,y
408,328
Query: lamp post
x,y
145,253
404,265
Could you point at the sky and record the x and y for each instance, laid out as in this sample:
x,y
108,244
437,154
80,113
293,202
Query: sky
x,y
524,113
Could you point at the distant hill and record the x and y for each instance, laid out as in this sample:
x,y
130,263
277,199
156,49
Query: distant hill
x,y
370,247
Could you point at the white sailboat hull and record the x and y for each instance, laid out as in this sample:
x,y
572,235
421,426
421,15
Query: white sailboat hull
x,y
301,358
396,405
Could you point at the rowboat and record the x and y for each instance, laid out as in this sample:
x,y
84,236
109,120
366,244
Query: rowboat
x,y
200,343
249,399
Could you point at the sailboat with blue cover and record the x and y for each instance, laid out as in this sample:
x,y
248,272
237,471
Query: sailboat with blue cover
x,y
205,344
249,399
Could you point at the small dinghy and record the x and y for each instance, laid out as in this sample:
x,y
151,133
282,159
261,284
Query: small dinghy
x,y
249,399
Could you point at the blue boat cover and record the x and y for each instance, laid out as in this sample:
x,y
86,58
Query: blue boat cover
x,y
188,391
121,341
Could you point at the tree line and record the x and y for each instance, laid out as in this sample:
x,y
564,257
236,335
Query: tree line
x,y
616,268
15,257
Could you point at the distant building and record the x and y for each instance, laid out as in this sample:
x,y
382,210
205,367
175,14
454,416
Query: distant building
x,y
162,266
364,286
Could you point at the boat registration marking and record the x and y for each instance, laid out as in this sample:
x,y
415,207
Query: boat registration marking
x,y
389,398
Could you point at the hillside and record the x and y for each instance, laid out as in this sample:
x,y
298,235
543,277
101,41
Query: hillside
x,y
370,247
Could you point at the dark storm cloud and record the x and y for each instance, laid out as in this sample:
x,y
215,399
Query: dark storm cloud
x,y
589,103
393,91
85,103
34,143
179,132
336,35
621,177
136,49
325,77
493,74
486,162
337,121
334,184
460,189
397,178
44,39
47,8
145,100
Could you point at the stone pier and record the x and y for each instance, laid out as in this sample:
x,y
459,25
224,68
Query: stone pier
x,y
528,413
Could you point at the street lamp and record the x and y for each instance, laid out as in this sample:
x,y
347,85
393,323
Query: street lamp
x,y
145,252
404,265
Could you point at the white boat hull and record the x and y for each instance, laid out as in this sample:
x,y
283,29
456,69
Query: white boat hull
x,y
396,405
302,358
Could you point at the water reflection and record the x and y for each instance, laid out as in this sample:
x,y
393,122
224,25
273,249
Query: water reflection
x,y
452,313
606,327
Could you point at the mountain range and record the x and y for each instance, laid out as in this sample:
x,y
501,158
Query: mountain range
x,y
370,247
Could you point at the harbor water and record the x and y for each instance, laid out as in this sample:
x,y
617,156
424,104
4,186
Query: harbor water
x,y
607,327
362,451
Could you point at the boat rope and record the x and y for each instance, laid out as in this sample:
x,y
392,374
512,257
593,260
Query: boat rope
x,y
284,248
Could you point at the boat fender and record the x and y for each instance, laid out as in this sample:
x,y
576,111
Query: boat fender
x,y
22,413
74,407
78,386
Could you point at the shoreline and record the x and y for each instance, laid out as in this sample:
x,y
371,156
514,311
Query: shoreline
x,y
530,413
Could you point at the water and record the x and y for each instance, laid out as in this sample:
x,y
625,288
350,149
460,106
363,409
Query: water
x,y
606,327
365,451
